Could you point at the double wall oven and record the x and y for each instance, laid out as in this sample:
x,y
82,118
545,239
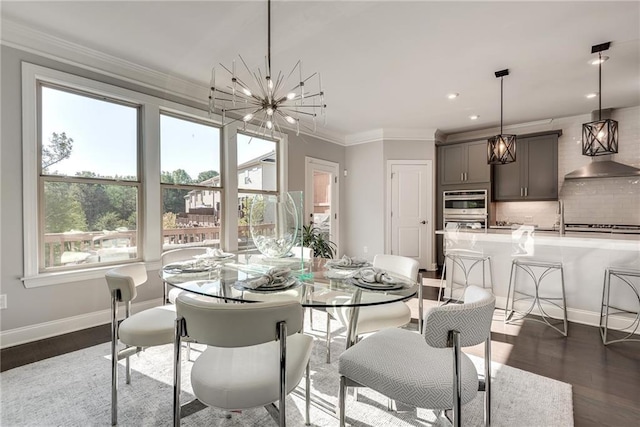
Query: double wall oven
x,y
466,208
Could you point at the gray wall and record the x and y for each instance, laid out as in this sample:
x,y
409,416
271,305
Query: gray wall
x,y
365,203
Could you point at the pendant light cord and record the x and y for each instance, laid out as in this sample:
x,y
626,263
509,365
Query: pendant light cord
x,y
501,79
599,86
269,36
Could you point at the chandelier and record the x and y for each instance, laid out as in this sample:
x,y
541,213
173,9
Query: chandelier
x,y
267,102
600,137
501,148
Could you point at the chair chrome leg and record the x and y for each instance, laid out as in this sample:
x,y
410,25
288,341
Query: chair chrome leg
x,y
457,378
127,361
307,396
114,359
282,337
328,338
177,371
341,400
487,382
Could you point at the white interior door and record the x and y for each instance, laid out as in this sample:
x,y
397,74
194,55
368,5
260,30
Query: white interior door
x,y
321,197
410,210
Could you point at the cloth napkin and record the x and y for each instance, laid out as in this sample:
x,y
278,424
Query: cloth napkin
x,y
214,252
347,261
275,277
374,275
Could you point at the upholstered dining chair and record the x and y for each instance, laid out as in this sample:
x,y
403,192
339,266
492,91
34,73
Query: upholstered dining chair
x,y
151,327
256,355
177,255
428,371
377,317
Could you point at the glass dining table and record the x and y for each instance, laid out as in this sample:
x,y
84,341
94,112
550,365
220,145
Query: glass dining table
x,y
310,281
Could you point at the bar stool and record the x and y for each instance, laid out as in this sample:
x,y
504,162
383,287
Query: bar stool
x,y
537,271
624,275
466,261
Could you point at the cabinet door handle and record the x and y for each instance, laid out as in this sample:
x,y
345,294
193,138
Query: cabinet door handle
x,y
465,176
521,192
526,191
462,176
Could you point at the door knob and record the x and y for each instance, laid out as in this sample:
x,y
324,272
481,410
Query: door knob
x,y
423,222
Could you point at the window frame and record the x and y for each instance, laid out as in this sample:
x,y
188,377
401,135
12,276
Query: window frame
x,y
44,178
150,241
198,120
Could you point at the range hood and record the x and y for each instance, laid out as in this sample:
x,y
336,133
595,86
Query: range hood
x,y
603,166
603,169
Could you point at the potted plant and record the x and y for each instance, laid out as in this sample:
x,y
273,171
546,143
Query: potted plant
x,y
318,241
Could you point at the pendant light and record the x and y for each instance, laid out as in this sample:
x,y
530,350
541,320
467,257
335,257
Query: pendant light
x,y
501,148
600,137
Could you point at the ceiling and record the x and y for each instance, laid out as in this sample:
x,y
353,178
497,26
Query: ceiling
x,y
384,64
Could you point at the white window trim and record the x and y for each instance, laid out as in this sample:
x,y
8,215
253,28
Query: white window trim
x,y
150,157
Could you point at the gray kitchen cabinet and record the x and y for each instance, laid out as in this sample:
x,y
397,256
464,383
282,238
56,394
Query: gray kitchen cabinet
x,y
534,174
464,163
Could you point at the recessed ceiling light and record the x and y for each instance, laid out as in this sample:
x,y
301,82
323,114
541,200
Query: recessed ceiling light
x,y
591,95
453,95
474,117
596,61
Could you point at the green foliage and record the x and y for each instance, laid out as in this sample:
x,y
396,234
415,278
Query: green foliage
x,y
63,212
203,176
313,238
58,149
168,220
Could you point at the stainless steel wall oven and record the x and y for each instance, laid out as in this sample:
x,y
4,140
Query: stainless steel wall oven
x,y
467,208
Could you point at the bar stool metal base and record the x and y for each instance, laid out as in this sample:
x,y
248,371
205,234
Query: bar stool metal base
x,y
537,271
606,308
466,263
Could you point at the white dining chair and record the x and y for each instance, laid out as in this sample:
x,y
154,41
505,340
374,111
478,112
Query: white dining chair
x,y
177,255
429,370
377,317
256,355
151,327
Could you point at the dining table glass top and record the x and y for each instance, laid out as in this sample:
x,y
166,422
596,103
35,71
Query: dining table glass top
x,y
310,281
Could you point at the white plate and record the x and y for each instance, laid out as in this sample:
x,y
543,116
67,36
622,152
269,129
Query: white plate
x,y
348,267
376,286
215,257
289,283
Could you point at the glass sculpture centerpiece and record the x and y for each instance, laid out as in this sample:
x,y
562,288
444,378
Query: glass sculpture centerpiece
x,y
273,222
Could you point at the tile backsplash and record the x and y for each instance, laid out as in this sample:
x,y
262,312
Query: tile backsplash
x,y
543,214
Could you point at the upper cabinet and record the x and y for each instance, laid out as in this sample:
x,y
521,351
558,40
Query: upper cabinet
x,y
534,174
464,163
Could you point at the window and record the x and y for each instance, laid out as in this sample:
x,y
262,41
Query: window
x,y
257,174
191,187
89,180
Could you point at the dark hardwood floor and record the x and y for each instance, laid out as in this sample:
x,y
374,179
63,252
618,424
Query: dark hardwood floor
x,y
605,380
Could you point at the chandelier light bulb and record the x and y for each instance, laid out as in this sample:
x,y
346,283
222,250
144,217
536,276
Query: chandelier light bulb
x,y
269,111
291,95
246,91
248,117
269,124
290,120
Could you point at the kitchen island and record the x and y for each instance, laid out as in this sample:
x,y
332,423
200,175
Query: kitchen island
x,y
585,256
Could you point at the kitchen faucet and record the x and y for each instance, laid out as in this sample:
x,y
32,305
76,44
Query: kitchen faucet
x,y
560,213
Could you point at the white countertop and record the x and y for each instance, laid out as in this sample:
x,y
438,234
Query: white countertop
x,y
550,238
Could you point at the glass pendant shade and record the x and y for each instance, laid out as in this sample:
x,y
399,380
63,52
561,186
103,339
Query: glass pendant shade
x,y
600,137
501,149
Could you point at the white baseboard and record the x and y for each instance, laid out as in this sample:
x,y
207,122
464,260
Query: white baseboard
x,y
574,315
40,331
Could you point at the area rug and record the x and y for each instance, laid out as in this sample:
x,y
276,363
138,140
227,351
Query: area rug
x,y
74,390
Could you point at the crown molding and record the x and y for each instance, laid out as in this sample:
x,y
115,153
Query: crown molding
x,y
28,39
391,134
